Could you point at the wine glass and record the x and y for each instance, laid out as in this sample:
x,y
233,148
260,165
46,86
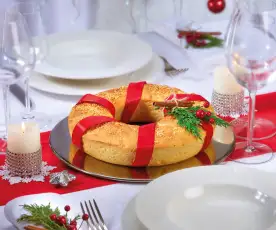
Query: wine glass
x,y
16,47
31,11
251,57
141,24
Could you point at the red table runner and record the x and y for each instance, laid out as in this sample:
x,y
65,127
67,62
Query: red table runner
x,y
266,106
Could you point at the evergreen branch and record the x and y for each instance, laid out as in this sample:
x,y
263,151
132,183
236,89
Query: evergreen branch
x,y
212,41
40,215
186,118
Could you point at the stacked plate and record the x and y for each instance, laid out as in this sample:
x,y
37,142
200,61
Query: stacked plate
x,y
209,198
93,61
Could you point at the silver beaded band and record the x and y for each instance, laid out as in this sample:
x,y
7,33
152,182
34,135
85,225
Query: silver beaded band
x,y
228,105
24,164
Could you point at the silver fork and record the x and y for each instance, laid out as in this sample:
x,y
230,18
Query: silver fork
x,y
170,70
95,222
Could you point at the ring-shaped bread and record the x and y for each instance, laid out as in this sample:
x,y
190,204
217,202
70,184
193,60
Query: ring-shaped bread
x,y
116,142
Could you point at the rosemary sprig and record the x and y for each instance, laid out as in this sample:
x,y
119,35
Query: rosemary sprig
x,y
40,215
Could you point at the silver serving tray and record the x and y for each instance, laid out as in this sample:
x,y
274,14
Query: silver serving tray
x,y
60,142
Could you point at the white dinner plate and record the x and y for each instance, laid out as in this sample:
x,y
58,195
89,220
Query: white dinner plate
x,y
152,73
209,198
129,218
93,54
13,210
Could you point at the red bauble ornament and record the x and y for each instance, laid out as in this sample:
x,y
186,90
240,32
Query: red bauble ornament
x,y
208,114
216,6
200,114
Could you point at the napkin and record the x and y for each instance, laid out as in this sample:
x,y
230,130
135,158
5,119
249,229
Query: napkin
x,y
174,54
201,62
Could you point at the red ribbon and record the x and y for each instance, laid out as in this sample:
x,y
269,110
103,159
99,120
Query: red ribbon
x,y
89,98
84,125
203,158
145,145
208,128
79,159
134,94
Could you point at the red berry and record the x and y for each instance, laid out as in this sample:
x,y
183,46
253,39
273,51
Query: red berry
x,y
206,104
190,38
85,216
180,35
61,220
67,208
53,217
200,114
73,222
71,227
197,43
212,120
208,113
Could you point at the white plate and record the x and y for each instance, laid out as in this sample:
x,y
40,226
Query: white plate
x,y
210,198
13,209
152,73
93,55
129,218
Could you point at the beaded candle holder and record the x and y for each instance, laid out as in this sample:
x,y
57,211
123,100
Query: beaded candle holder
x,y
24,164
228,95
24,156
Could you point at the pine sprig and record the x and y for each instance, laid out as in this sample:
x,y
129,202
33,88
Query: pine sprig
x,y
39,215
186,117
219,121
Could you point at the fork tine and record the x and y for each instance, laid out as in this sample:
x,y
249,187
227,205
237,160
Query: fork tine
x,y
100,215
91,218
83,212
94,214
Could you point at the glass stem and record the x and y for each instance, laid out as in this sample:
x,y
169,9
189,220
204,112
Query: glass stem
x,y
27,99
6,109
251,119
146,15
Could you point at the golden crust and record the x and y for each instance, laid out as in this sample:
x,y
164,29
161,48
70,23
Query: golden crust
x,y
115,142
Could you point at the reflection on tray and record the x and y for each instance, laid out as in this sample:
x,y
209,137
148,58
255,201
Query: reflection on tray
x,y
88,163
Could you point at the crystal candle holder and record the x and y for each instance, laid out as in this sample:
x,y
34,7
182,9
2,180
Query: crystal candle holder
x,y
24,164
228,105
228,95
24,156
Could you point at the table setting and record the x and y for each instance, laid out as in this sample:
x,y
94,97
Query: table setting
x,y
163,122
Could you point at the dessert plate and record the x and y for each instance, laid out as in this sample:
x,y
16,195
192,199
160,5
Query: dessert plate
x,y
60,142
152,72
93,54
13,210
210,198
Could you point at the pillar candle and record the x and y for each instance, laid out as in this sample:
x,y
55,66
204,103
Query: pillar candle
x,y
225,82
23,138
